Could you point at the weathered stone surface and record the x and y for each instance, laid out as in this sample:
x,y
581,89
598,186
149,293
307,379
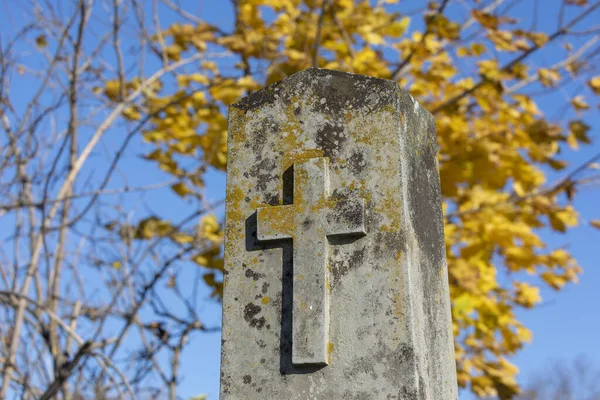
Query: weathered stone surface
x,y
333,203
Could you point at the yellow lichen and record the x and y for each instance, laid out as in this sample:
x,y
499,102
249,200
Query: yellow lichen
x,y
237,123
279,219
298,155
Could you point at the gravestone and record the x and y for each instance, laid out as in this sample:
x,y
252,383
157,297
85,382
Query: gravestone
x,y
335,273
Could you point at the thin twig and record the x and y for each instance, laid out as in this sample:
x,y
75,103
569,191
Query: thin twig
x,y
317,44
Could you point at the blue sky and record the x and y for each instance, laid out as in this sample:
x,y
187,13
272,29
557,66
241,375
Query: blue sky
x,y
565,325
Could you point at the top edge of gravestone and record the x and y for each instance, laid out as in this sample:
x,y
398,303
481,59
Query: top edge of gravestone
x,y
313,76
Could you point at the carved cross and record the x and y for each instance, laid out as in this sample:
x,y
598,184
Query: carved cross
x,y
313,217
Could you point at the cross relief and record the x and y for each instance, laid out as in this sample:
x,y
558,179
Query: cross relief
x,y
313,217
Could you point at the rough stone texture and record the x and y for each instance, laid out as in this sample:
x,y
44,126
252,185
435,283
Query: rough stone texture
x,y
384,309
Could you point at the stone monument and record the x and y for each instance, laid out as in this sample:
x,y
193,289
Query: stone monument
x,y
335,272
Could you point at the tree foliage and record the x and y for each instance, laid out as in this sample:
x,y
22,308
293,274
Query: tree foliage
x,y
478,66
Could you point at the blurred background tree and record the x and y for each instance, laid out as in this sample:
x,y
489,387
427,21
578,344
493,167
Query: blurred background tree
x,y
113,124
577,379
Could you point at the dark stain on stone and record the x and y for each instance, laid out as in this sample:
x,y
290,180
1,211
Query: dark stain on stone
x,y
361,367
250,312
350,210
331,138
400,359
307,223
408,393
272,199
254,275
268,126
358,396
247,379
395,241
357,258
421,388
341,268
264,172
357,163
265,287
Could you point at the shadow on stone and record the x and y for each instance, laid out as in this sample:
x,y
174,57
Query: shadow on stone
x,y
288,186
343,239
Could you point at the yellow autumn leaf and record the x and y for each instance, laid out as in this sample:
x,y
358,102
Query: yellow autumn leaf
x,y
174,52
182,238
548,77
397,28
554,280
485,19
503,40
519,190
199,78
524,334
463,52
594,84
463,304
181,189
201,259
226,92
579,103
538,38
578,131
209,279
562,219
373,38
478,49
41,41
490,69
557,164
132,113
527,295
210,228
112,89
152,227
